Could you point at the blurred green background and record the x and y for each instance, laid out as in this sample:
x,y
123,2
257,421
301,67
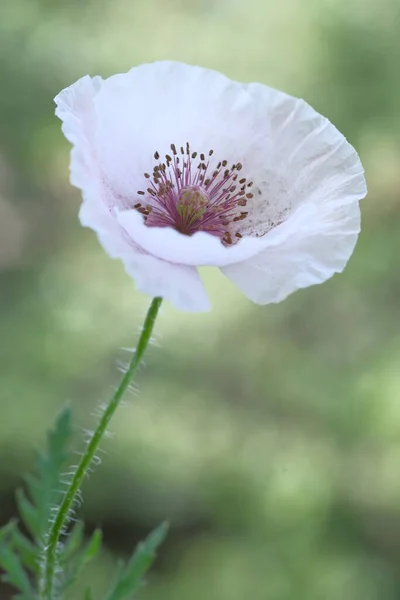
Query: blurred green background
x,y
269,436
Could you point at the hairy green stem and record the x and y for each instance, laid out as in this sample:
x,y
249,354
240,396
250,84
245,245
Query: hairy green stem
x,y
49,565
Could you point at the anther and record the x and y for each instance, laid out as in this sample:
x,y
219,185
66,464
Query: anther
x,y
211,201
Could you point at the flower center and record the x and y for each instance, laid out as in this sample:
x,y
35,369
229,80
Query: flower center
x,y
191,207
187,194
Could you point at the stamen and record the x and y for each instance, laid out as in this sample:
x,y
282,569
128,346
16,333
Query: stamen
x,y
206,198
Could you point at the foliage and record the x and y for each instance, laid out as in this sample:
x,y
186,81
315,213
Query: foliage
x,y
21,550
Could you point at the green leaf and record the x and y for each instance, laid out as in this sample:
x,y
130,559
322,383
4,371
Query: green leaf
x,y
26,550
44,489
6,530
14,572
28,513
46,493
20,555
93,547
88,595
131,576
73,541
75,566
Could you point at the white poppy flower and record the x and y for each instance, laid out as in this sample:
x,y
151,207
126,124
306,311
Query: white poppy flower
x,y
181,167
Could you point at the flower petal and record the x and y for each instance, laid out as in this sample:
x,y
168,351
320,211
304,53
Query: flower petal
x,y
75,108
180,284
309,248
199,249
316,175
310,162
163,103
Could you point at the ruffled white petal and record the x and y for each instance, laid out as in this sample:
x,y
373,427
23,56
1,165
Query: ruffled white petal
x,y
75,108
156,105
310,162
309,248
316,177
199,249
180,284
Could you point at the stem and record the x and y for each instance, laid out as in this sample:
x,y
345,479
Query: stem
x,y
49,565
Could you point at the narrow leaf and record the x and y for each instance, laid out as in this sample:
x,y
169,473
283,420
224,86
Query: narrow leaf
x,y
6,530
44,488
14,573
131,578
28,513
75,567
93,547
26,550
73,542
50,467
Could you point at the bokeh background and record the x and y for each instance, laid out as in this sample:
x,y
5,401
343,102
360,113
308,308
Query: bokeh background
x,y
269,436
